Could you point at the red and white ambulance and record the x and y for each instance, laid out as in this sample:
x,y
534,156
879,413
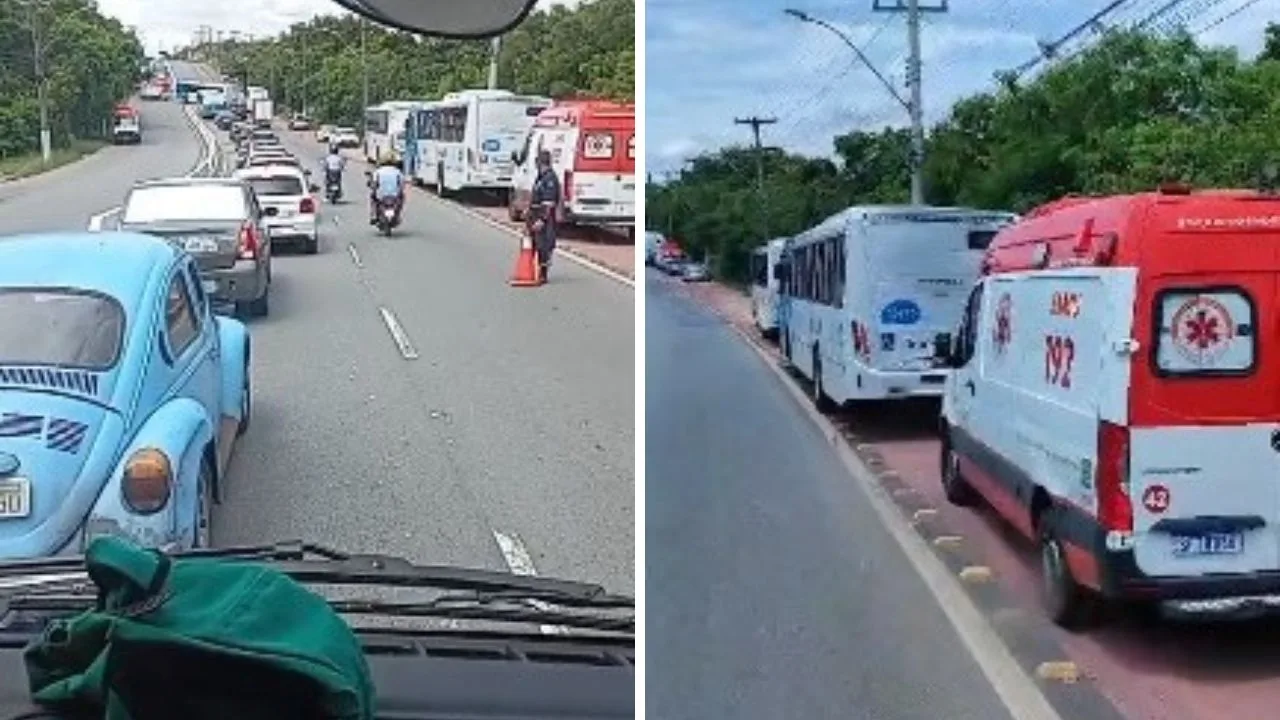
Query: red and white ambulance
x,y
593,151
1115,396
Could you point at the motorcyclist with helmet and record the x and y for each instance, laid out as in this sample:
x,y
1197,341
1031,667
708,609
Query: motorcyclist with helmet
x,y
386,181
333,164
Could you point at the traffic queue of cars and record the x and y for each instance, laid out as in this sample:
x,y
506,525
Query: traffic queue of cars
x,y
128,381
1103,372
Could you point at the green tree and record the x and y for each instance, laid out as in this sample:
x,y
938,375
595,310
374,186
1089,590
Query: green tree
x,y
318,65
90,63
1127,114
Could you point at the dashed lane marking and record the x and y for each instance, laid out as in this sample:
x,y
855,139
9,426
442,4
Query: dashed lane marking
x,y
401,338
355,255
520,562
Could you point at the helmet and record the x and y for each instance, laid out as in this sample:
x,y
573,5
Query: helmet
x,y
333,148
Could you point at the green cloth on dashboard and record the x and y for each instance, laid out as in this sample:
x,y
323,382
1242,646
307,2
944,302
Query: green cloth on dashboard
x,y
195,638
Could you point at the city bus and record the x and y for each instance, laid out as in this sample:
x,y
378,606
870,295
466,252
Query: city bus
x,y
475,135
868,292
384,128
420,158
593,150
763,265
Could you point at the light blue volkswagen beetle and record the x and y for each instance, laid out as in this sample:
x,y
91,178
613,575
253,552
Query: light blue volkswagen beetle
x,y
121,393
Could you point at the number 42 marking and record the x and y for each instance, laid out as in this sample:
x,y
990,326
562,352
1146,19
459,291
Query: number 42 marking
x,y
1059,354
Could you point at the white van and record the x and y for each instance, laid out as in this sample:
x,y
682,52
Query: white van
x,y
1112,397
866,294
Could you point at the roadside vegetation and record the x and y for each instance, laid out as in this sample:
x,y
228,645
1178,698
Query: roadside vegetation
x,y
89,62
318,66
1129,113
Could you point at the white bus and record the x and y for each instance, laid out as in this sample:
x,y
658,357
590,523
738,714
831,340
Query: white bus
x,y
474,136
763,266
384,128
867,293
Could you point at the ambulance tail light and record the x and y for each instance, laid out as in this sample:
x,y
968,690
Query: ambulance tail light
x,y
1115,510
567,186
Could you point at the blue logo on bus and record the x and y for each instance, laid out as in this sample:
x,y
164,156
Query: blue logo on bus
x,y
900,312
491,145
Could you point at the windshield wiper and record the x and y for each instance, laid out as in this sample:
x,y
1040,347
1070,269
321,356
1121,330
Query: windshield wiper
x,y
334,567
446,607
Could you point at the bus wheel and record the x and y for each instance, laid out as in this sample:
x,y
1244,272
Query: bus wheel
x,y
1068,605
820,398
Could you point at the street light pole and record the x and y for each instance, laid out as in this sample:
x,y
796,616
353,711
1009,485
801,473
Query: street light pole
x,y
496,48
39,49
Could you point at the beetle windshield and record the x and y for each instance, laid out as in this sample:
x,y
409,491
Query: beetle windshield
x,y
59,327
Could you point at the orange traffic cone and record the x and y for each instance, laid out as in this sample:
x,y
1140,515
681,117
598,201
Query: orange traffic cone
x,y
526,273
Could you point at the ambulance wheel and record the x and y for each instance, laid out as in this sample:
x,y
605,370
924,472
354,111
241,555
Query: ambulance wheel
x,y
820,398
954,486
1068,605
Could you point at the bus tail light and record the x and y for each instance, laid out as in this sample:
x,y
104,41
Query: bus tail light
x,y
307,206
471,158
248,242
861,344
1115,510
568,186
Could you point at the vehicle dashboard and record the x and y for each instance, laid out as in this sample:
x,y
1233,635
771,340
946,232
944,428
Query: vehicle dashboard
x,y
449,675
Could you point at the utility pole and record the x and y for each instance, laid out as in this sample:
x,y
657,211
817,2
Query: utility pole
x,y
364,67
34,24
914,9
493,62
755,123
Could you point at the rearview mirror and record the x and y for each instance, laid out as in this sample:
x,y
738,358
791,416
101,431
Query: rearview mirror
x,y
270,211
464,19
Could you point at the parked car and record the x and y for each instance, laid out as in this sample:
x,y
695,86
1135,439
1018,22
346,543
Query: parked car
x,y
695,272
299,122
122,394
221,223
345,137
323,133
287,189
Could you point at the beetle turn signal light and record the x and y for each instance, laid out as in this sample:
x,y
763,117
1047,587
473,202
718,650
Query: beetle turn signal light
x,y
148,481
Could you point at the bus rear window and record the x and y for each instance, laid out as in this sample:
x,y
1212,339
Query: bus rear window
x,y
981,239
1205,332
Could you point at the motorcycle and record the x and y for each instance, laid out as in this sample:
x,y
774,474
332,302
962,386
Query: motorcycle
x,y
388,215
333,188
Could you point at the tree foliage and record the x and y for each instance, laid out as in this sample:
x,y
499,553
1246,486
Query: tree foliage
x,y
1131,112
319,65
90,62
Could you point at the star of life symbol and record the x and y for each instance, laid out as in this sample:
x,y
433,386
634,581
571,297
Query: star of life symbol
x,y
1002,333
1202,330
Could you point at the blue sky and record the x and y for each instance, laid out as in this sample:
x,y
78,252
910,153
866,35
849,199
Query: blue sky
x,y
708,61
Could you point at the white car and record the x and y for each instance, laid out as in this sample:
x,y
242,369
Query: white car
x,y
287,189
345,137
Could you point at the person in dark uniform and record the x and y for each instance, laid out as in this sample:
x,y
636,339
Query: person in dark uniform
x,y
543,204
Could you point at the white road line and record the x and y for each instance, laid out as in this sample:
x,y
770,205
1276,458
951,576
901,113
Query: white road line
x,y
208,146
1011,683
520,563
355,255
572,257
398,334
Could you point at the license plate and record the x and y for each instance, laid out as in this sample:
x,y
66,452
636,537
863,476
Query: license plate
x,y
15,498
210,286
200,245
1209,544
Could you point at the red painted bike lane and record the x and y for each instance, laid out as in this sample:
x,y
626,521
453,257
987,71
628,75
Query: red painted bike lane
x,y
1147,669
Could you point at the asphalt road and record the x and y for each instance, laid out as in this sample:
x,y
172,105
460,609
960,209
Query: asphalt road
x,y
516,418
773,590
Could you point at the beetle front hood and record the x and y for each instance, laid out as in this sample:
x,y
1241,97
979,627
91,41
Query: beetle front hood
x,y
65,450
